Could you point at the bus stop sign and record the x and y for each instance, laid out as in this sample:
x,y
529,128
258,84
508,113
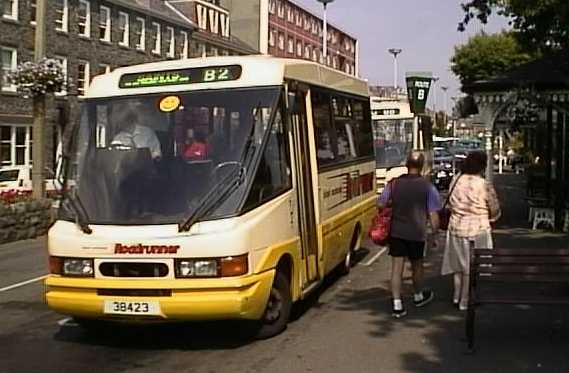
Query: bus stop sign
x,y
418,86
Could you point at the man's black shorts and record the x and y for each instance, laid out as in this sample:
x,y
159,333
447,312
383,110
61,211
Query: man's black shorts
x,y
413,250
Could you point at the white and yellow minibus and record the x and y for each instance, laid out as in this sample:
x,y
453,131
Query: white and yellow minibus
x,y
213,188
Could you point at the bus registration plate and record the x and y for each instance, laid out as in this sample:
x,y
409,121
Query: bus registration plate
x,y
132,308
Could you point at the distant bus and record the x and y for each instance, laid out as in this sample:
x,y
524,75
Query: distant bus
x,y
277,193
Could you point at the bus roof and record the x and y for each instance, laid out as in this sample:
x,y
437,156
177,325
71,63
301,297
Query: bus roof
x,y
256,71
386,109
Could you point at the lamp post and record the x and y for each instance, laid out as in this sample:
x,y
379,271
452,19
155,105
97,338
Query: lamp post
x,y
325,29
38,185
395,52
445,103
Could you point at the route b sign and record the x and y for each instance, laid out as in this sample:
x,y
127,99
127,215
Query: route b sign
x,y
418,86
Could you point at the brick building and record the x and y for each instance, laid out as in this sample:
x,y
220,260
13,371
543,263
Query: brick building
x,y
283,28
91,37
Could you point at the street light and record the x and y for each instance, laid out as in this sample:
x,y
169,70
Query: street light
x,y
395,52
325,29
435,80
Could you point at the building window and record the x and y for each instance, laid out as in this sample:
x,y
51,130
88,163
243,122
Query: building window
x,y
272,6
104,69
272,38
63,61
306,23
9,63
82,77
299,48
10,10
335,62
314,55
123,29
104,23
280,10
61,15
140,34
225,25
307,51
15,145
171,42
33,7
84,18
290,47
290,15
281,42
156,38
185,47
298,18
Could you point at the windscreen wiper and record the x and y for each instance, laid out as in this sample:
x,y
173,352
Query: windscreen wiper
x,y
81,218
230,183
215,196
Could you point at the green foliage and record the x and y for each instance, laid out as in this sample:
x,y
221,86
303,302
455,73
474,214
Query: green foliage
x,y
485,56
465,107
540,24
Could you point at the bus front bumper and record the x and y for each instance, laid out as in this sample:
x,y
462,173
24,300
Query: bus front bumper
x,y
192,299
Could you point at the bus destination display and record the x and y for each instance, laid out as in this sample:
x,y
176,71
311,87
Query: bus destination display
x,y
386,112
180,76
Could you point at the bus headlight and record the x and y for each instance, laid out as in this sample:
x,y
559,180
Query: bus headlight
x,y
196,268
78,267
218,267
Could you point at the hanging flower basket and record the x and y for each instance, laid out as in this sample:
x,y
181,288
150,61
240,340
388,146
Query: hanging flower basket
x,y
34,79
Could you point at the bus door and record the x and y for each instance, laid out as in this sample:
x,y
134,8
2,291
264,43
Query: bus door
x,y
305,188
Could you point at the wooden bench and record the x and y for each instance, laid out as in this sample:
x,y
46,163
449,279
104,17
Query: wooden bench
x,y
516,277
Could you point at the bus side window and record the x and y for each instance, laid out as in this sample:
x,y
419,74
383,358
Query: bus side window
x,y
325,136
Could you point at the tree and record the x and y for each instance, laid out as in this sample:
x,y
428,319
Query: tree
x,y
485,56
540,25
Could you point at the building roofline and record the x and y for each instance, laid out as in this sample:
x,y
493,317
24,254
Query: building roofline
x,y
330,24
154,13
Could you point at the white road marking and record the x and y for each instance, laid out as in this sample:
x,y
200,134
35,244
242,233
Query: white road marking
x,y
64,321
375,257
23,283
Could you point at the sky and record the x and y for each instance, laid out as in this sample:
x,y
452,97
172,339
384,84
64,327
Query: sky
x,y
426,31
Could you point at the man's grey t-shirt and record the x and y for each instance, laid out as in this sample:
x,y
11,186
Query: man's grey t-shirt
x,y
413,198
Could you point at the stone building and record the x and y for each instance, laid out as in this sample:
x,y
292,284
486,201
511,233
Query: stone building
x,y
283,28
91,37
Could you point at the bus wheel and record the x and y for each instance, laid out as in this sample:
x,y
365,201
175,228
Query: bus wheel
x,y
278,308
90,325
347,264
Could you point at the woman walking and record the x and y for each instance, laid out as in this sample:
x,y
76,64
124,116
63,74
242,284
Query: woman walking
x,y
474,205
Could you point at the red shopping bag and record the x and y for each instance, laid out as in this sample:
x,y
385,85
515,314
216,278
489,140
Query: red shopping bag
x,y
381,227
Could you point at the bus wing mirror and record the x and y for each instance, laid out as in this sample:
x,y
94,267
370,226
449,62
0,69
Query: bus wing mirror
x,y
292,103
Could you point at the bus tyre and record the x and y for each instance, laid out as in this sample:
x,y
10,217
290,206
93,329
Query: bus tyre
x,y
346,265
89,325
278,308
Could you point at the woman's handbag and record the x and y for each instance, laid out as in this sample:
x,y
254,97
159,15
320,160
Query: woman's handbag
x,y
381,224
445,212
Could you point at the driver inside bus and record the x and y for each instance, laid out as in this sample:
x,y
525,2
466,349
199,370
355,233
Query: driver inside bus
x,y
133,134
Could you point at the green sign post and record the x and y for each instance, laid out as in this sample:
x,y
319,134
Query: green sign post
x,y
418,86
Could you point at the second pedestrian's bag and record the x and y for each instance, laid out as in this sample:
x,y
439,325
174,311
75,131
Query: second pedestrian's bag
x,y
380,228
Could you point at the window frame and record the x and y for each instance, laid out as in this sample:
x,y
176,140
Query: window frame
x,y
157,33
87,23
107,24
140,33
13,65
64,17
171,37
64,64
86,76
14,14
185,45
124,40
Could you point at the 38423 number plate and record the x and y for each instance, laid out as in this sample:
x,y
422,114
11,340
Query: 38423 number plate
x,y
132,308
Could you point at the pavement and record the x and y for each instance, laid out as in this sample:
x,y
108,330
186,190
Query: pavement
x,y
346,326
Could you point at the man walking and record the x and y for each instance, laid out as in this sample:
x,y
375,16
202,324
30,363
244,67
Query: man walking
x,y
414,201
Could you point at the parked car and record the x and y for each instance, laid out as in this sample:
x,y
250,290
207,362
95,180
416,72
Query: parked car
x,y
19,178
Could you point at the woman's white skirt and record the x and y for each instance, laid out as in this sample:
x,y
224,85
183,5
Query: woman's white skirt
x,y
457,251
